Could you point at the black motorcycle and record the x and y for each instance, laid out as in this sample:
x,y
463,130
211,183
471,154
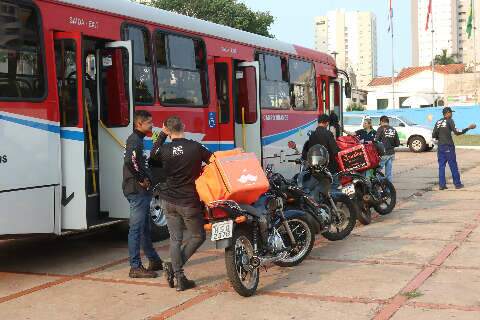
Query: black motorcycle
x,y
369,191
311,191
258,235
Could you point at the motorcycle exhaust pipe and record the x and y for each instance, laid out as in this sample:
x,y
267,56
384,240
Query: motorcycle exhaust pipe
x,y
257,262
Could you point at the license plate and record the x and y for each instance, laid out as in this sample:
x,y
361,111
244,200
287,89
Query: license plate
x,y
349,189
222,230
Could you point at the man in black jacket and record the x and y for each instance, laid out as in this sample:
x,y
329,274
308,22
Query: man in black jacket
x,y
325,138
389,137
136,188
182,160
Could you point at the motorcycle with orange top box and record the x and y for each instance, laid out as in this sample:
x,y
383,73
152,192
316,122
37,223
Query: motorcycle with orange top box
x,y
246,217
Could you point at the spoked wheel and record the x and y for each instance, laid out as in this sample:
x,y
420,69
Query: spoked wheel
x,y
243,276
304,235
158,220
388,197
345,220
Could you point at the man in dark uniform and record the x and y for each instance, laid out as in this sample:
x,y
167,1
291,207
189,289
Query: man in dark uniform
x,y
182,160
136,188
446,147
325,138
389,137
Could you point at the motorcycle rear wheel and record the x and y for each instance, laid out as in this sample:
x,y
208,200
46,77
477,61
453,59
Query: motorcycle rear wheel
x,y
243,277
304,235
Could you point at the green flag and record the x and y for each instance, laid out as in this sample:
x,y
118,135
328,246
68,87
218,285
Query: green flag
x,y
470,20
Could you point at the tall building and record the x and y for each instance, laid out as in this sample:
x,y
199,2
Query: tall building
x,y
449,25
352,38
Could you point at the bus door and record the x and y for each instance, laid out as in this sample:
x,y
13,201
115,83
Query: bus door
x,y
224,91
68,65
247,108
115,97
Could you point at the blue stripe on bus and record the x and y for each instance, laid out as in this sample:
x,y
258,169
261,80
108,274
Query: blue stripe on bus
x,y
32,124
282,135
72,135
64,134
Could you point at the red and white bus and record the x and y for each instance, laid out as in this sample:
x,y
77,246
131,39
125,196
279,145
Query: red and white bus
x,y
73,71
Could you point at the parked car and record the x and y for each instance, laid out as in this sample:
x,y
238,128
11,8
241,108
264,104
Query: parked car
x,y
417,138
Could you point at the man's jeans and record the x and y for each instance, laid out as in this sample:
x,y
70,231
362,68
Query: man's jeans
x,y
446,153
139,233
386,162
179,218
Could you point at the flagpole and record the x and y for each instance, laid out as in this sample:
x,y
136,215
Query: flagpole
x,y
433,58
393,74
474,52
393,61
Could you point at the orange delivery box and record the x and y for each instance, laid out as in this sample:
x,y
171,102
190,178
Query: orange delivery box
x,y
232,175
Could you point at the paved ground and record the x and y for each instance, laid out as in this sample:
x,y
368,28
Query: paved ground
x,y
420,262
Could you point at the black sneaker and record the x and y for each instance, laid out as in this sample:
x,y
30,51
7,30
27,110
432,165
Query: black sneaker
x,y
460,186
155,265
442,188
168,273
141,272
184,284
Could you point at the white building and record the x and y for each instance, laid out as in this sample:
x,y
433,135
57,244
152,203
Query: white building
x,y
449,23
352,38
414,84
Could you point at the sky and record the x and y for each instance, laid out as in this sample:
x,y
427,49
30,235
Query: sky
x,y
294,24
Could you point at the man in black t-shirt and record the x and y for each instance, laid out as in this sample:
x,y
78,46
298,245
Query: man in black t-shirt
x,y
182,162
446,148
324,137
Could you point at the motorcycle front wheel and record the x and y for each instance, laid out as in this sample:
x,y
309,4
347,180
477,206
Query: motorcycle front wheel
x,y
388,195
342,224
304,235
364,212
243,277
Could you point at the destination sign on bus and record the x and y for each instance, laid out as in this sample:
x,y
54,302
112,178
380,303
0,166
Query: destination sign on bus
x,y
81,22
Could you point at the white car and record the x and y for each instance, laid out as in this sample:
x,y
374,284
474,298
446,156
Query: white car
x,y
417,138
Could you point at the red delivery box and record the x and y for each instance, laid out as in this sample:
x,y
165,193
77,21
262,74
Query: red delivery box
x,y
232,175
346,142
359,158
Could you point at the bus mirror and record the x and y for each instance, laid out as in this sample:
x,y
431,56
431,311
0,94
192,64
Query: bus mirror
x,y
348,90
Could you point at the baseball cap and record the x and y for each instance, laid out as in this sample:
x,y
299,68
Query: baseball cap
x,y
447,110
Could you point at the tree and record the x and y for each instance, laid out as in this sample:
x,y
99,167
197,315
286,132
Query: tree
x,y
444,59
227,12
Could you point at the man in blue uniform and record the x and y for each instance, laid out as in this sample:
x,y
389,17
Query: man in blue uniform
x,y
446,148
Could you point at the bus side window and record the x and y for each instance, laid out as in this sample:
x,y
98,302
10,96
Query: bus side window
x,y
337,100
181,70
302,85
21,52
223,98
142,64
115,104
274,86
324,96
65,60
246,110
